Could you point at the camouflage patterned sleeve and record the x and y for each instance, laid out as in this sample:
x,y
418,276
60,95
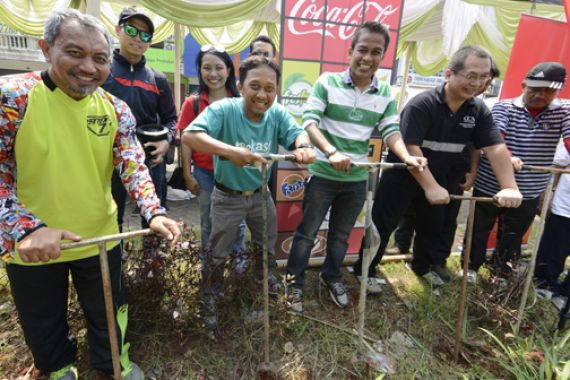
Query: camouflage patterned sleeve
x,y
16,221
128,158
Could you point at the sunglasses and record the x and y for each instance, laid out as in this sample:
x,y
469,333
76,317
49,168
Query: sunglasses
x,y
132,31
218,48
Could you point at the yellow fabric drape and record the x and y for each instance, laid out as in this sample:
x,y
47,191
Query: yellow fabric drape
x,y
240,38
28,16
204,16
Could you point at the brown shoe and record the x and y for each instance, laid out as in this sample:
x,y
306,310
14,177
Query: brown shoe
x,y
395,250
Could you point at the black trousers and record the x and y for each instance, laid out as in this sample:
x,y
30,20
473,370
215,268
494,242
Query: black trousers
x,y
41,297
405,231
444,242
552,252
513,223
396,192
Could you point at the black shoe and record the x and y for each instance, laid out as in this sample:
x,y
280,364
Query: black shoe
x,y
209,315
295,299
442,272
337,292
275,286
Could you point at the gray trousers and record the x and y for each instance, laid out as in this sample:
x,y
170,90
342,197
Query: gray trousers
x,y
227,212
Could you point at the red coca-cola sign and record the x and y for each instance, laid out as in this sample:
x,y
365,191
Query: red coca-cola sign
x,y
346,11
308,22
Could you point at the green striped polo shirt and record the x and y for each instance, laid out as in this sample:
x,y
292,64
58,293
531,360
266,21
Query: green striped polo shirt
x,y
347,118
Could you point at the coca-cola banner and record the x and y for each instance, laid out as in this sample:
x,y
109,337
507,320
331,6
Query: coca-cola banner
x,y
310,33
315,38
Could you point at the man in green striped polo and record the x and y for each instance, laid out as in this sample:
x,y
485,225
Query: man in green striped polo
x,y
340,115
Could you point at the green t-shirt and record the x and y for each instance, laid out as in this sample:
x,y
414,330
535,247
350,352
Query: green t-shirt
x,y
226,121
347,118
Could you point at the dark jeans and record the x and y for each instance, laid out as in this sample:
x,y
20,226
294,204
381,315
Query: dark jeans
x,y
345,200
552,252
513,223
41,296
396,192
158,175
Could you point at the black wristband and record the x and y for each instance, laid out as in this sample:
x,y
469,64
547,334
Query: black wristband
x,y
305,145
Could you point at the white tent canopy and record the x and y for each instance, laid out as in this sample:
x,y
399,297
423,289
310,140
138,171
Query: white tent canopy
x,y
432,30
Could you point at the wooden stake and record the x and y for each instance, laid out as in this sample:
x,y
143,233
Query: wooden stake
x,y
532,264
463,294
110,310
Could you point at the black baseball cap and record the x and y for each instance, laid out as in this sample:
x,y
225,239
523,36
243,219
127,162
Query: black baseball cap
x,y
546,74
129,13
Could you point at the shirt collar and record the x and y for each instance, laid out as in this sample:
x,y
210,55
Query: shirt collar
x,y
348,80
440,92
48,81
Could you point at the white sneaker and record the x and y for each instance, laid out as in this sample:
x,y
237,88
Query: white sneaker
x,y
433,278
559,302
178,195
544,293
372,285
471,276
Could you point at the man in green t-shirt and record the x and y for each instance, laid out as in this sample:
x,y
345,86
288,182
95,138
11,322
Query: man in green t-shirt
x,y
238,131
55,185
340,115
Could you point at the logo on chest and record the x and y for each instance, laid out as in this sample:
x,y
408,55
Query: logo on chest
x,y
99,125
468,122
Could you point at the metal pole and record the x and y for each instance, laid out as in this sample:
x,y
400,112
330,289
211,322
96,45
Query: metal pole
x,y
470,198
381,165
365,261
265,263
530,273
104,239
404,86
549,169
177,55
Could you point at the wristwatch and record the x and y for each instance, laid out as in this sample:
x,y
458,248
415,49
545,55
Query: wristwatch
x,y
329,152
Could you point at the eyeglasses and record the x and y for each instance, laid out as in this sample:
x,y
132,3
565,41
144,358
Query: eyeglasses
x,y
218,48
472,77
132,31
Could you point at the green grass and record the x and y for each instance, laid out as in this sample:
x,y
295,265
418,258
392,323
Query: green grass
x,y
319,344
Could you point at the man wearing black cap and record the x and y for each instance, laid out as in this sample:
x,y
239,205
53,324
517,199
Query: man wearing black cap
x,y
147,93
531,125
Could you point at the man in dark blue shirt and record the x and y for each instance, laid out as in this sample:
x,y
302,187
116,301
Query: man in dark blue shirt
x,y
147,93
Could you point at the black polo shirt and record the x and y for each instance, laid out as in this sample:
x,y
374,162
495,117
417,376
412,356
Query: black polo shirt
x,y
444,136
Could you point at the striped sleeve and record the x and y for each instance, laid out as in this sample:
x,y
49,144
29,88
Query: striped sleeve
x,y
390,122
317,103
501,116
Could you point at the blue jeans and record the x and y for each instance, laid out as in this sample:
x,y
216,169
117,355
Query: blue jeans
x,y
205,179
345,200
158,176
